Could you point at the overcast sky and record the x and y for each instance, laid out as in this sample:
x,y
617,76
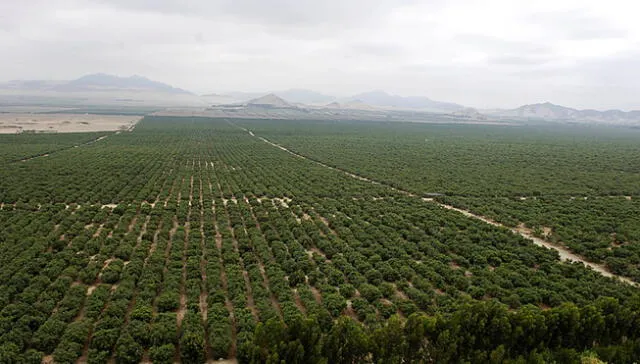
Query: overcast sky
x,y
481,53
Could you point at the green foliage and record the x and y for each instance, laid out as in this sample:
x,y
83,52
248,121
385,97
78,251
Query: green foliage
x,y
108,244
127,350
162,354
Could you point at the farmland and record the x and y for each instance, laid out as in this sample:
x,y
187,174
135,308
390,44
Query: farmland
x,y
194,239
577,186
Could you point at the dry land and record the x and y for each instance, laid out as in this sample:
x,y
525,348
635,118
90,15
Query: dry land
x,y
12,123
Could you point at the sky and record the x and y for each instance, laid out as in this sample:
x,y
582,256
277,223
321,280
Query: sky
x,y
480,53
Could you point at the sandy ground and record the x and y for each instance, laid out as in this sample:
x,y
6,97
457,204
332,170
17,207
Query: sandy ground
x,y
11,123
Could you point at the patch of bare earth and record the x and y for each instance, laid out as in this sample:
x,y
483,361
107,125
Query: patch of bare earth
x,y
182,310
104,266
316,294
400,294
298,301
11,123
350,312
98,231
319,252
250,302
91,288
132,224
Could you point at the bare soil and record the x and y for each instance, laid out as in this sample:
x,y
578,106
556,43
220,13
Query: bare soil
x,y
298,301
350,312
13,123
316,294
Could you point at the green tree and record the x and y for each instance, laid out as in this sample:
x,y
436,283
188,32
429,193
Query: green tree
x,y
346,343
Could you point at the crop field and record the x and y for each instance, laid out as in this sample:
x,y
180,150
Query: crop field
x,y
577,186
16,148
197,239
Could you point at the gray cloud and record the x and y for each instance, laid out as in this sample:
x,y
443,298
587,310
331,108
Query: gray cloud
x,y
376,49
495,43
575,25
299,16
493,53
515,60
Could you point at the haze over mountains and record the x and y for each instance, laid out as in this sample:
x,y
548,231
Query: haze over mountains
x,y
140,90
96,82
549,111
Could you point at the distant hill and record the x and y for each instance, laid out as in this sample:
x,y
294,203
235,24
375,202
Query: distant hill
x,y
95,82
357,104
270,101
294,96
105,82
383,99
303,96
549,111
349,105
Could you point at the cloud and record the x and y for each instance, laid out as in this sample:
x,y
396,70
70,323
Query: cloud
x,y
490,53
278,16
515,60
576,25
496,44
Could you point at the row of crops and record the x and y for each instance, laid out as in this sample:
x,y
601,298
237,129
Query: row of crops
x,y
181,240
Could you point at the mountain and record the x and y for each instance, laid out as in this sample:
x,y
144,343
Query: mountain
x,y
303,96
383,99
375,99
356,104
95,82
549,111
349,105
105,82
294,95
271,101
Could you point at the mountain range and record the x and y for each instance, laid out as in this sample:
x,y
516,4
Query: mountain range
x,y
139,88
270,101
96,82
383,99
553,112
375,99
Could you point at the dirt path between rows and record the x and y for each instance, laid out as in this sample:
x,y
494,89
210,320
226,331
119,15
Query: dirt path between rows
x,y
564,253
46,154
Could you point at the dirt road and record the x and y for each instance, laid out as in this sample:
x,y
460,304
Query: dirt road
x,y
564,253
